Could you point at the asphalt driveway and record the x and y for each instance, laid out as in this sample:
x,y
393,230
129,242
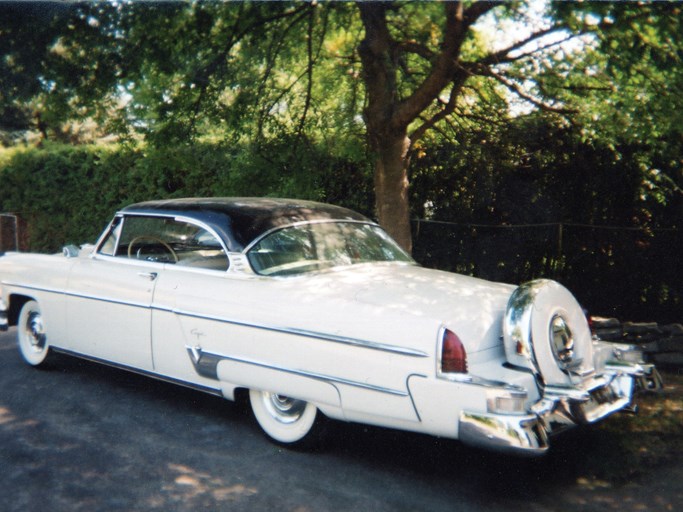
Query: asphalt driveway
x,y
84,437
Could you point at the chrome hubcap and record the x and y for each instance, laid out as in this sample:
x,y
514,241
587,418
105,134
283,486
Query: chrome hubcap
x,y
35,331
283,408
562,341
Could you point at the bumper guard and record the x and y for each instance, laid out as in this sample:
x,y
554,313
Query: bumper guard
x,y
559,409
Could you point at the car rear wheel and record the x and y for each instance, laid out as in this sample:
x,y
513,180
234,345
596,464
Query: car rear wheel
x,y
31,335
286,420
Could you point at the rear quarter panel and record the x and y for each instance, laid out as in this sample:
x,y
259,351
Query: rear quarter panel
x,y
268,327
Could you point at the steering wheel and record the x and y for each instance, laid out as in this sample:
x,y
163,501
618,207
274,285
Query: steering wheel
x,y
154,239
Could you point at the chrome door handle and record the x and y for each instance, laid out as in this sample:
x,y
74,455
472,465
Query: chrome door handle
x,y
149,275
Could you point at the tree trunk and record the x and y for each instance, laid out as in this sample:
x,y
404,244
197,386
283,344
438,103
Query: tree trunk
x,y
388,113
391,188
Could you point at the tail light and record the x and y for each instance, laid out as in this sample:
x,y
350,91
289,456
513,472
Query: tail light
x,y
453,355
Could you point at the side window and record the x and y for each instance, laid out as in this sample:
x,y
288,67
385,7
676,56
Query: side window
x,y
167,240
108,247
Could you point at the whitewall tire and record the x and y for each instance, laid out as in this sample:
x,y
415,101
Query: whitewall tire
x,y
31,335
285,420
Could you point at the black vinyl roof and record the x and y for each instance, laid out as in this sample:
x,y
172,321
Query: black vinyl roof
x,y
241,220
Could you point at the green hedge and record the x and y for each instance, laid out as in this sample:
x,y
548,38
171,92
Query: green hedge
x,y
67,194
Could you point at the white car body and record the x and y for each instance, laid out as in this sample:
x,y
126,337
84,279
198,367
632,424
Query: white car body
x,y
358,342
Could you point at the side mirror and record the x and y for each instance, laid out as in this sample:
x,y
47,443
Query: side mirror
x,y
70,251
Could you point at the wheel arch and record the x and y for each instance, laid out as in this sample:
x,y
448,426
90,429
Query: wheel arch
x,y
16,302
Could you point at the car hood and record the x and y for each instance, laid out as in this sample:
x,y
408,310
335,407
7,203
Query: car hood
x,y
472,308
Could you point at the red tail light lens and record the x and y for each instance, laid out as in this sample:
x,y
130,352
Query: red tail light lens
x,y
453,355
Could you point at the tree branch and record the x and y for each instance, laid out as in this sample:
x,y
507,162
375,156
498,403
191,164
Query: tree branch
x,y
503,55
417,49
516,89
309,71
276,44
458,22
448,109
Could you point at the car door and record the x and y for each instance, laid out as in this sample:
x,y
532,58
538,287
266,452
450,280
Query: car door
x,y
109,295
199,277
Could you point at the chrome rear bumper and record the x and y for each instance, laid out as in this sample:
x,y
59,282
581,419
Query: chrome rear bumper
x,y
559,409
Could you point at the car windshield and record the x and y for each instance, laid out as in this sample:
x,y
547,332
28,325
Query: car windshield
x,y
317,246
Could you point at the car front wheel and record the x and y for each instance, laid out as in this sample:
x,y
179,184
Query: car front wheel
x,y
285,420
31,335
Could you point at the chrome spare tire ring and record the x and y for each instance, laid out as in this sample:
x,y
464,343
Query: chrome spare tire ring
x,y
546,331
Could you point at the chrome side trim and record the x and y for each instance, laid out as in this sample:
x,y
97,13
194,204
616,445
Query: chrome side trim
x,y
197,354
383,347
205,363
412,400
372,345
145,373
79,295
34,288
109,300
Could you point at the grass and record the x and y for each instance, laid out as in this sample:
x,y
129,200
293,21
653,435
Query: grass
x,y
624,447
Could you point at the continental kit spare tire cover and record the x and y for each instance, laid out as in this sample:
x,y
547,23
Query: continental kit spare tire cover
x,y
546,331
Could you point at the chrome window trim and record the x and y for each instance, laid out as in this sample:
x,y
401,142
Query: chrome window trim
x,y
258,239
103,237
129,261
305,223
179,218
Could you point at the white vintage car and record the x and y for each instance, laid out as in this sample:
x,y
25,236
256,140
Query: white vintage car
x,y
314,312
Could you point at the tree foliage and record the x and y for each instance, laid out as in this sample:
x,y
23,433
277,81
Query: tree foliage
x,y
474,111
67,193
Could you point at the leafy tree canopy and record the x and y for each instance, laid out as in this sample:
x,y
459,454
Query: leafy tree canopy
x,y
172,73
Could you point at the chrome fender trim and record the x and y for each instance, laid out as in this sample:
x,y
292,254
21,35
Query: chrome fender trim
x,y
206,364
